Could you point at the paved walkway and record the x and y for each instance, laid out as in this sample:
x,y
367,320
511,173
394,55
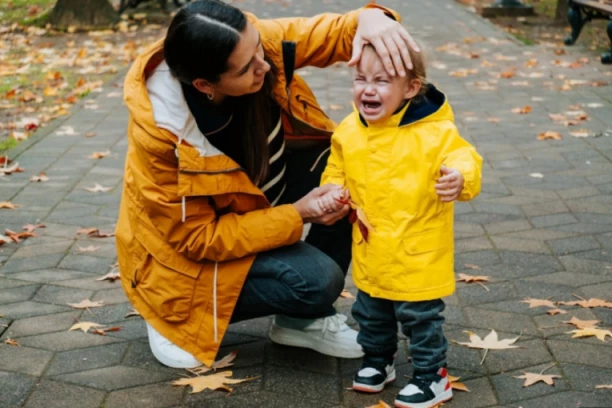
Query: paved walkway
x,y
541,228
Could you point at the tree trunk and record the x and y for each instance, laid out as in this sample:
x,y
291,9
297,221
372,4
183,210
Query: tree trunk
x,y
83,14
561,12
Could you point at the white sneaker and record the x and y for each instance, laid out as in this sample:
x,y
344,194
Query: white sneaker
x,y
167,353
330,336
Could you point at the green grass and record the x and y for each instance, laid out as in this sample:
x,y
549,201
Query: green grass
x,y
16,11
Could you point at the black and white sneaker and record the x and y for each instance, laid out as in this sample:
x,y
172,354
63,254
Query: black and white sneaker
x,y
425,391
374,374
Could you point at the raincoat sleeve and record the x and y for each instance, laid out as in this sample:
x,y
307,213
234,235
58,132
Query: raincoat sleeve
x,y
458,154
334,171
321,40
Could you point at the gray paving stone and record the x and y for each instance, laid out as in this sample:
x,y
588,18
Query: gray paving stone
x,y
510,389
515,244
601,291
553,220
59,295
6,283
568,399
88,282
480,258
68,340
570,279
301,359
111,296
528,260
24,360
534,352
114,378
151,396
29,309
52,394
31,263
476,294
139,355
131,329
18,294
472,244
261,399
15,388
582,265
585,378
58,247
460,357
48,275
71,361
88,264
43,324
539,290
302,384
549,208
509,322
581,353
507,226
541,234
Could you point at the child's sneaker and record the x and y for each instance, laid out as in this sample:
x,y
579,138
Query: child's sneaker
x,y
425,391
374,374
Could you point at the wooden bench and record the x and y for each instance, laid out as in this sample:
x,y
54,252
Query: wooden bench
x,y
125,4
582,11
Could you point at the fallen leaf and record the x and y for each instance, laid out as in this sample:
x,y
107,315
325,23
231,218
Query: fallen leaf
x,y
532,378
590,332
598,83
131,314
524,110
471,278
536,175
590,303
66,131
94,233
381,404
42,177
470,266
582,324
539,302
456,385
507,74
225,362
580,133
11,342
599,387
594,105
98,188
102,332
554,312
346,294
90,248
8,205
99,155
549,134
90,134
17,236
335,107
490,342
5,240
86,304
213,382
85,326
10,170
20,135
111,276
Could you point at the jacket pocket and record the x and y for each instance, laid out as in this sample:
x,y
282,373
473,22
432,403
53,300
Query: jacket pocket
x,y
428,241
165,280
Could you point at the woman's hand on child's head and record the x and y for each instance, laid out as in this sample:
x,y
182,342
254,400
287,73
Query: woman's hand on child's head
x,y
450,185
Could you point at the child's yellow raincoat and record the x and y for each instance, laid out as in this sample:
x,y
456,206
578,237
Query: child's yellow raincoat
x,y
390,170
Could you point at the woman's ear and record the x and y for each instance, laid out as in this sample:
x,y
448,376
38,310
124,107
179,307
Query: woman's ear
x,y
203,86
412,88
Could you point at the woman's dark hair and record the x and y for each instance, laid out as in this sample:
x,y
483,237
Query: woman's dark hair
x,y
200,39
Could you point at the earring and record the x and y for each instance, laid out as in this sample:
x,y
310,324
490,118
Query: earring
x,y
210,96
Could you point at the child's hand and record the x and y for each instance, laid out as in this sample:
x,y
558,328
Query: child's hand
x,y
331,201
450,184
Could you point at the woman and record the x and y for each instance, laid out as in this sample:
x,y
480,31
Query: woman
x,y
218,185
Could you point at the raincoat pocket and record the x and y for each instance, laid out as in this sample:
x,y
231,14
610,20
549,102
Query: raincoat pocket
x,y
165,279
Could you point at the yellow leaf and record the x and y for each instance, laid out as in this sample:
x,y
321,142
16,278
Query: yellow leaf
x,y
346,294
539,302
225,362
601,334
85,326
590,303
582,324
549,134
212,382
11,342
553,312
381,404
471,278
99,155
524,110
9,205
532,378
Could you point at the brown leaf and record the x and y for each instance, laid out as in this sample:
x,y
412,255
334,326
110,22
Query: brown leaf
x,y
102,332
111,276
10,170
598,83
582,324
549,134
90,248
90,134
131,314
590,332
86,304
41,177
11,342
32,228
346,294
471,278
599,387
553,312
539,302
524,110
18,236
225,362
456,385
99,155
94,233
213,382
533,62
5,240
590,303
532,378
85,326
381,404
507,74
98,188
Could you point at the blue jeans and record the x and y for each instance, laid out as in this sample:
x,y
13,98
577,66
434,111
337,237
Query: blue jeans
x,y
420,321
300,282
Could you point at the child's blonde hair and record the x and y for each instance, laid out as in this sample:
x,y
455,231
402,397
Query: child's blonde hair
x,y
419,68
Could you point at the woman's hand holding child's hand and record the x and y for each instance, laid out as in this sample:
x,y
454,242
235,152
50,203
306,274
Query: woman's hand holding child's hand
x,y
450,185
332,201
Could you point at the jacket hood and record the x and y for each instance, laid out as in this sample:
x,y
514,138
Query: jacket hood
x,y
431,107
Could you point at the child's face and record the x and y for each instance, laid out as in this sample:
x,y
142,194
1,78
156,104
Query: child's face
x,y
376,94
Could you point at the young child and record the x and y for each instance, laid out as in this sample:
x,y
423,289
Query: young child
x,y
402,160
